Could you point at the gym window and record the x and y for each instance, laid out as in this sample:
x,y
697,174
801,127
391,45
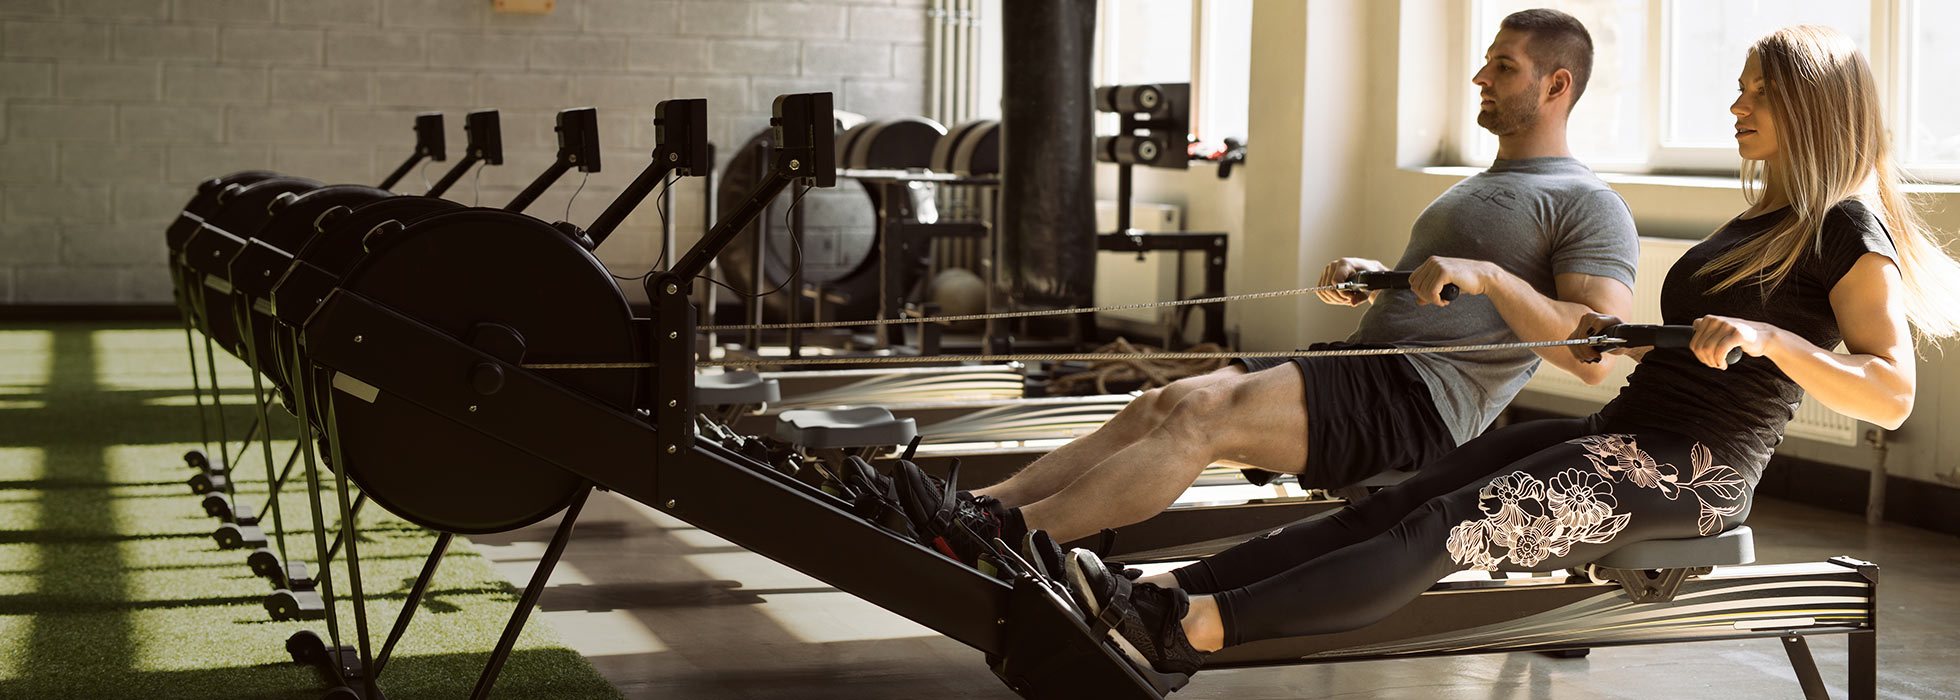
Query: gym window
x,y
1207,43
1664,74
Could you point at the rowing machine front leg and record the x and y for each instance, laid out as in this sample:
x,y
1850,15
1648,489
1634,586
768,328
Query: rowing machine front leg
x,y
1051,653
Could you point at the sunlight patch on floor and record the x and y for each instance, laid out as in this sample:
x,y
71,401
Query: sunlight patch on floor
x,y
605,633
148,359
24,358
21,512
806,608
13,627
230,398
518,561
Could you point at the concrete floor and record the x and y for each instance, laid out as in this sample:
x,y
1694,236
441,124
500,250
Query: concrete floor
x,y
666,610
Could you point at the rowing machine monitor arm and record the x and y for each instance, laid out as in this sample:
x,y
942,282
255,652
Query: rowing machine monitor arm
x,y
484,133
578,147
428,144
680,145
804,150
1656,336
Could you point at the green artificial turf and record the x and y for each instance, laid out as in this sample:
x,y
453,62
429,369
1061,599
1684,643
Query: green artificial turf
x,y
110,582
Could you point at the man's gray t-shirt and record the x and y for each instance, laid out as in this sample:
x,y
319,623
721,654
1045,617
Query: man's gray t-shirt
x,y
1534,217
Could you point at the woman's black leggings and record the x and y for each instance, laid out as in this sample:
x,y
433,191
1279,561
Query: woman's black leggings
x,y
1540,496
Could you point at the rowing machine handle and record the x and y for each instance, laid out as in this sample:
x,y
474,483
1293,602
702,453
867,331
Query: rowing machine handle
x,y
1395,279
1658,336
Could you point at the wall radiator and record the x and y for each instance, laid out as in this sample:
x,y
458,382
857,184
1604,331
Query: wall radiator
x,y
1813,420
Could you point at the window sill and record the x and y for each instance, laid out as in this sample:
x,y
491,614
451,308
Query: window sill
x,y
1724,182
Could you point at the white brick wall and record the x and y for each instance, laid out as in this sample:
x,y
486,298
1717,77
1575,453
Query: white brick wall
x,y
111,110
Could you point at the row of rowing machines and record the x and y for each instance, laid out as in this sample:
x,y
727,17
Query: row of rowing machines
x,y
252,242
477,370
231,249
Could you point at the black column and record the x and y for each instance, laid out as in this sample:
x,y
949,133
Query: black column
x,y
1048,205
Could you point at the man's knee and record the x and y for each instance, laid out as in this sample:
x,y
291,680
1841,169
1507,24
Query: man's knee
x,y
1171,394
1157,403
1254,419
1153,407
1204,411
1140,414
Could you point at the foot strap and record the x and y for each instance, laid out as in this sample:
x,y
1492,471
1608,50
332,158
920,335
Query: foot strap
x,y
1111,614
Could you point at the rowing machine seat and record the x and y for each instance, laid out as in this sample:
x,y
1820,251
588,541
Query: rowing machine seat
x,y
1653,571
862,426
734,388
1734,546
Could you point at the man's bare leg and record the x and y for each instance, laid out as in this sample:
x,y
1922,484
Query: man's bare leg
x,y
1054,471
1258,418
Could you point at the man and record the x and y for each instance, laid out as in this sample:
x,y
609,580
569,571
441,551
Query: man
x,y
1533,243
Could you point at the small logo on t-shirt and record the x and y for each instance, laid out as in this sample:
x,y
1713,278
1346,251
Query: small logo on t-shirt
x,y
1492,195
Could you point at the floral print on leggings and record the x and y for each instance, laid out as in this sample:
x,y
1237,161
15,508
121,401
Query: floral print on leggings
x,y
1530,520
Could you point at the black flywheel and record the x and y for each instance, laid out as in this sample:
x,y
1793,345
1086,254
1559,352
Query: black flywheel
x,y
510,285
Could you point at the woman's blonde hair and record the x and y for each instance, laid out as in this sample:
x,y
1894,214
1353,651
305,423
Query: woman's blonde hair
x,y
1831,146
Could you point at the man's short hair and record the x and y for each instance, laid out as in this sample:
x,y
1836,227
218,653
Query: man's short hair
x,y
1557,41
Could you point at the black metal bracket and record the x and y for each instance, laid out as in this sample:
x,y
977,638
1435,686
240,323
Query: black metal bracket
x,y
673,368
907,251
1651,585
1212,246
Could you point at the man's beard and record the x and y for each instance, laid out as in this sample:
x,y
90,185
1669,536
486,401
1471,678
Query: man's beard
x,y
1509,115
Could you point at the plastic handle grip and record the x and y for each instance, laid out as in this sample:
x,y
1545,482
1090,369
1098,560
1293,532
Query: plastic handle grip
x,y
1658,336
1395,279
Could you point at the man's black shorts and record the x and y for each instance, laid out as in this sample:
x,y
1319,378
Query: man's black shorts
x,y
1366,414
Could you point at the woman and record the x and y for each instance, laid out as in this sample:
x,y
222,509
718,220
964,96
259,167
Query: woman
x,y
1827,251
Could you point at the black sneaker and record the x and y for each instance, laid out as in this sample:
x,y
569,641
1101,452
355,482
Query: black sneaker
x,y
1144,619
978,521
957,524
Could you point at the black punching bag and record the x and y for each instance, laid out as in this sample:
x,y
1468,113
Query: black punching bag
x,y
1047,177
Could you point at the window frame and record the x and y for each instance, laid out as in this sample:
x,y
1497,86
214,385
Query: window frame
x,y
1204,95
1900,101
1891,53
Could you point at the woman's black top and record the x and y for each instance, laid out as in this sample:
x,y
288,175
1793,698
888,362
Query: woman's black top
x,y
1740,413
